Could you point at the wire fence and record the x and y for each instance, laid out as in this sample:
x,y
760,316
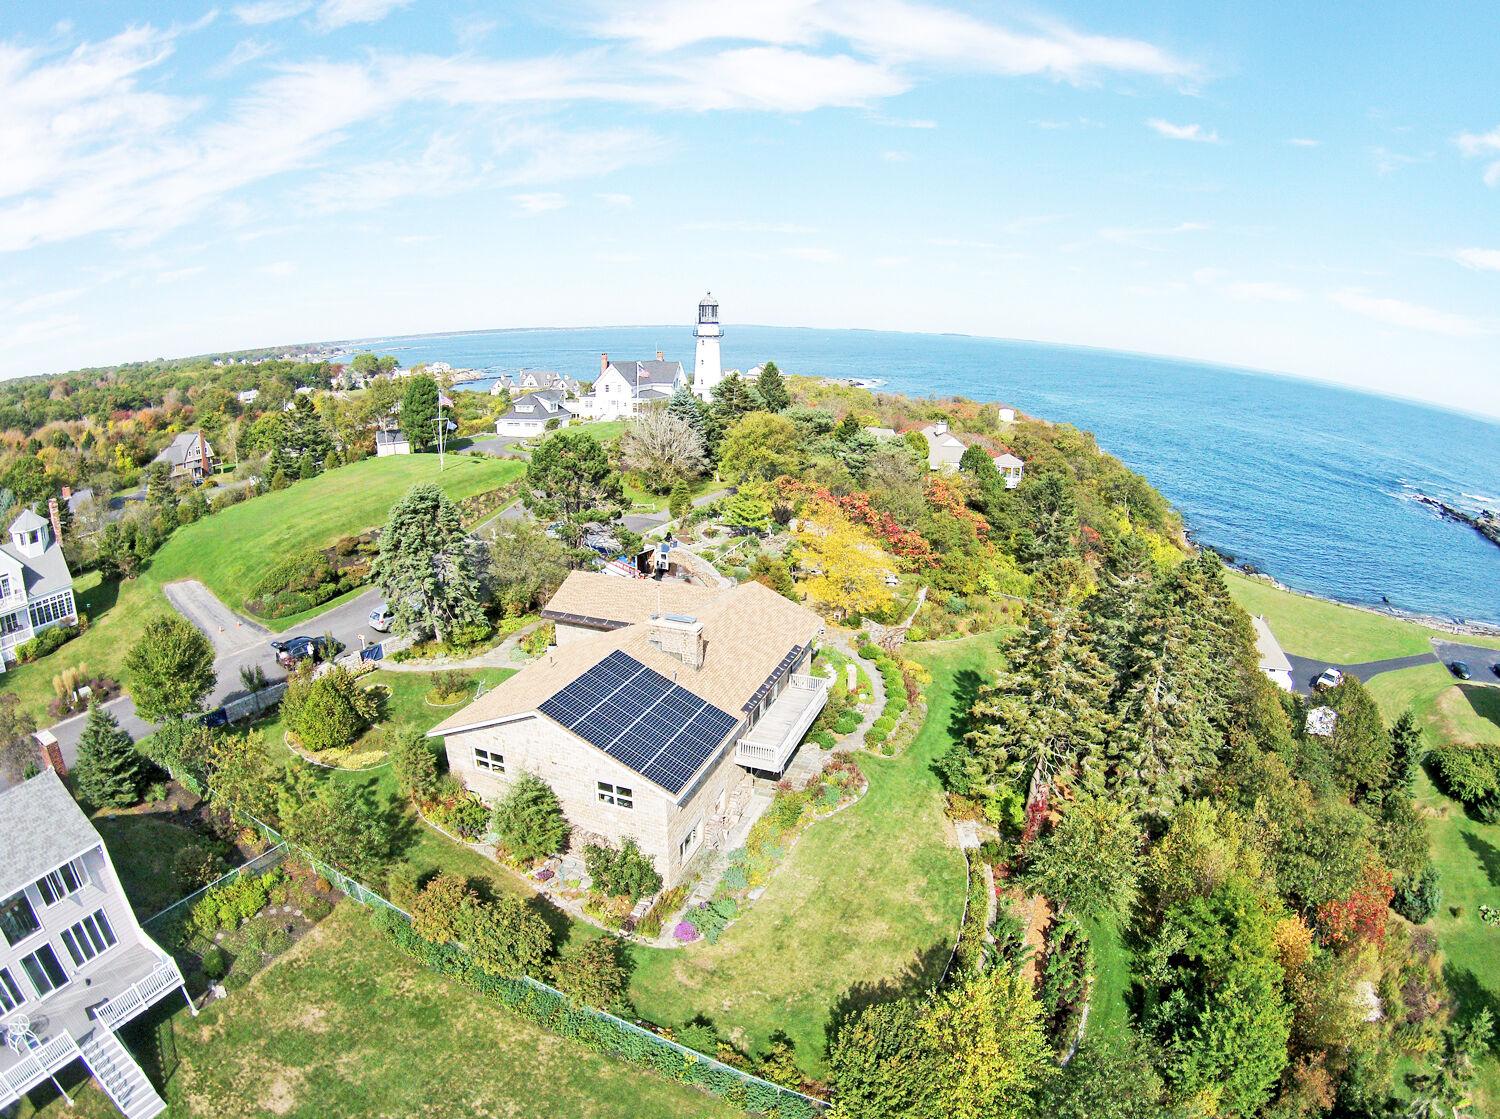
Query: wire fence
x,y
263,862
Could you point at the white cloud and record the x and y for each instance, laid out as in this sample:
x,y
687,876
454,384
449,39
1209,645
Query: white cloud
x,y
614,200
246,51
1484,144
176,274
1410,316
539,203
278,268
39,330
270,11
42,301
1481,260
1304,142
1143,237
341,13
749,227
903,122
1264,291
1193,132
896,157
896,32
1388,162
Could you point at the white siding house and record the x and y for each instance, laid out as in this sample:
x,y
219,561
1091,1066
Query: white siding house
x,y
530,414
36,588
75,965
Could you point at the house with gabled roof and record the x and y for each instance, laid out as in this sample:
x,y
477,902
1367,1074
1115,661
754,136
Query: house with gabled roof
x,y
531,413
650,723
36,587
189,456
1011,467
75,964
623,388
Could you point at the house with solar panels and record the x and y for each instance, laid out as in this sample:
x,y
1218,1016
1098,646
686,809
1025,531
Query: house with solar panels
x,y
650,722
75,965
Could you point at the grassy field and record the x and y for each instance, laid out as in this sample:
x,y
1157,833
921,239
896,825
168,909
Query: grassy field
x,y
1314,627
232,550
1112,977
867,902
344,1025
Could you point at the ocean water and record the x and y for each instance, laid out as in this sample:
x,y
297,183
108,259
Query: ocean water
x,y
1310,483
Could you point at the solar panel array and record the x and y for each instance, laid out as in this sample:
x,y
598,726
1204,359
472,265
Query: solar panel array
x,y
786,663
641,719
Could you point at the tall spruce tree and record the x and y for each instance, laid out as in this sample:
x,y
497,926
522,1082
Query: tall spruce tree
x,y
1406,751
1126,577
732,399
110,773
771,389
429,568
1048,714
419,411
1049,516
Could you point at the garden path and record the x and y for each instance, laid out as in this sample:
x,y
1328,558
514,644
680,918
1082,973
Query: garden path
x,y
855,739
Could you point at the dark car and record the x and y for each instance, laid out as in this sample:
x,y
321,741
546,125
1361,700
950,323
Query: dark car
x,y
294,649
1495,668
1459,669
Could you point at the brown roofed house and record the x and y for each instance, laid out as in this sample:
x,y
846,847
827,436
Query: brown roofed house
x,y
654,712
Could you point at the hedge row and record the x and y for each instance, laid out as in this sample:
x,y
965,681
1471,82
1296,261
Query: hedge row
x,y
895,695
554,1012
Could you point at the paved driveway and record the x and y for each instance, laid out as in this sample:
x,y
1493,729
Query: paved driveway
x,y
227,630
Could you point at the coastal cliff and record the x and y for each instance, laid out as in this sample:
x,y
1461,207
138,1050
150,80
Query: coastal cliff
x,y
1485,522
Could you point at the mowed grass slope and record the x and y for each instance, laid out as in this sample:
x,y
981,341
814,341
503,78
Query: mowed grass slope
x,y
233,549
1315,627
867,901
344,1025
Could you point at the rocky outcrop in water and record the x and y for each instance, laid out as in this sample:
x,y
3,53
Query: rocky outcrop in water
x,y
1485,522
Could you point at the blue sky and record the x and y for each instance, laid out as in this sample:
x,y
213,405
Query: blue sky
x,y
1312,189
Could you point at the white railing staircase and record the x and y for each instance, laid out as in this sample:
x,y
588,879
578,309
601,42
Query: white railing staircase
x,y
123,1080
139,995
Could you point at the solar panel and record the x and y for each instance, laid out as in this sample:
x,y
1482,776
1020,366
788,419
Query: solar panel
x,y
786,662
639,717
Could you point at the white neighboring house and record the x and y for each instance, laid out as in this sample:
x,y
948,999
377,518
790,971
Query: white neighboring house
x,y
530,414
36,588
1011,468
623,388
1007,415
389,443
944,449
1273,661
247,396
75,965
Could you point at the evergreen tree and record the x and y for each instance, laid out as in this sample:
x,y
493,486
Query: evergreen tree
x,y
570,479
1050,516
1407,751
770,389
680,501
428,567
529,820
1090,862
1126,577
110,773
1048,714
732,399
419,411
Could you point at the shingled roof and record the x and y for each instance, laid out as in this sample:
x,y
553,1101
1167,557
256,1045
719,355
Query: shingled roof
x,y
43,828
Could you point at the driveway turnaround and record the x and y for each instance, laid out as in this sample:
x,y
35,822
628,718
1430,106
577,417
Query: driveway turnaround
x,y
227,630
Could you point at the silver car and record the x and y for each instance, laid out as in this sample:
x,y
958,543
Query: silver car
x,y
381,618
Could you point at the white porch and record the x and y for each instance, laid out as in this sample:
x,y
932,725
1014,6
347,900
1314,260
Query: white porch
x,y
770,743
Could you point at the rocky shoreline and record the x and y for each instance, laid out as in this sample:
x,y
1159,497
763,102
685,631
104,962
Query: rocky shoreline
x,y
1450,625
1485,522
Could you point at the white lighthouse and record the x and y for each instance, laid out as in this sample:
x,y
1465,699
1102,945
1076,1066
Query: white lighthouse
x,y
707,370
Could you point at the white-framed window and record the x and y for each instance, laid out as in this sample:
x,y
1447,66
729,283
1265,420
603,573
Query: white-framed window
x,y
10,991
688,842
4,586
489,759
52,609
17,918
88,937
618,795
44,970
11,623
65,880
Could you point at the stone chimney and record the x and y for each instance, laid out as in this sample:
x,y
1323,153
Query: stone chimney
x,y
603,364
51,752
680,636
56,520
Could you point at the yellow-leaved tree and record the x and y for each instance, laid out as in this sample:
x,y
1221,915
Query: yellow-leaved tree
x,y
845,569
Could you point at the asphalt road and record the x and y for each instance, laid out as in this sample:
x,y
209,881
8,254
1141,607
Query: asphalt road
x,y
242,645
1479,659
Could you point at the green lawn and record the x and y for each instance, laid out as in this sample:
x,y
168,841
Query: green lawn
x,y
1314,627
1465,851
345,1025
232,549
866,903
143,845
1112,978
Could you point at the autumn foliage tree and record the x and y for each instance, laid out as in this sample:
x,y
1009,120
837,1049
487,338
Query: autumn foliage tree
x,y
846,568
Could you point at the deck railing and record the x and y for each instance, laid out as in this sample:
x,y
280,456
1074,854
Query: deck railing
x,y
41,1062
771,741
139,995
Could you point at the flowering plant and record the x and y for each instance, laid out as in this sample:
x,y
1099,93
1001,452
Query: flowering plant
x,y
685,932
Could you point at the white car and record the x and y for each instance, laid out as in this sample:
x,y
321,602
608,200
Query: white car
x,y
1330,678
381,618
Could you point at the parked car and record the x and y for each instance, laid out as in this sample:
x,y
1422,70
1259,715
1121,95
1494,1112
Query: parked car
x,y
381,618
294,649
1495,668
1459,669
1330,678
